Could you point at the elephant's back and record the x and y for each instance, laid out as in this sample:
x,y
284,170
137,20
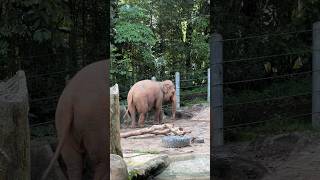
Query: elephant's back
x,y
89,80
86,92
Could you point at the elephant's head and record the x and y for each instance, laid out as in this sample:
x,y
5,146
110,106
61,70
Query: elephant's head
x,y
169,94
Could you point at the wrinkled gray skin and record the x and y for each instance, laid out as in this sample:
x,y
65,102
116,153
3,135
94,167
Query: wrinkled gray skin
x,y
81,121
147,94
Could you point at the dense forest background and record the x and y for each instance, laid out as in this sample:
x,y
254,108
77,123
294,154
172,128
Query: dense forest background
x,y
50,40
158,38
267,64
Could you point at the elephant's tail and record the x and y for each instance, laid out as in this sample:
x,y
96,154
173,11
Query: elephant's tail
x,y
59,146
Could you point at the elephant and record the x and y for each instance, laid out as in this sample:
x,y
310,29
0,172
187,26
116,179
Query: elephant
x,y
147,94
81,122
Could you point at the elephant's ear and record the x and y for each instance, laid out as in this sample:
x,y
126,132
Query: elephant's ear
x,y
165,88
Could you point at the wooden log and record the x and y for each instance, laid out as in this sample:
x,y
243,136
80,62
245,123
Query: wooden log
x,y
14,131
163,129
115,145
144,130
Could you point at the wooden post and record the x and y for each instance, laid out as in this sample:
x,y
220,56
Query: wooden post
x,y
115,145
208,93
316,75
177,77
14,132
217,89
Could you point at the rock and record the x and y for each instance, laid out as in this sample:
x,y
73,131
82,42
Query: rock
x,y
118,168
187,167
144,166
198,140
235,167
41,155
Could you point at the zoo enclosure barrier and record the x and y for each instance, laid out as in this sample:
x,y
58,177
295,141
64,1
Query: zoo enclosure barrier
x,y
45,83
217,66
188,84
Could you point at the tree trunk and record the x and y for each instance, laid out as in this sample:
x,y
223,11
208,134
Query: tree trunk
x,y
14,133
115,145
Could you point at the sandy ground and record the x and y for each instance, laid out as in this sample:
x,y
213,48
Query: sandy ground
x,y
199,124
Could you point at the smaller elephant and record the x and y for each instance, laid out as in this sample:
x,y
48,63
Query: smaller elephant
x,y
147,94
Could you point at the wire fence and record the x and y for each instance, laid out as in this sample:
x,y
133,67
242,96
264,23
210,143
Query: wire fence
x,y
45,83
287,94
188,91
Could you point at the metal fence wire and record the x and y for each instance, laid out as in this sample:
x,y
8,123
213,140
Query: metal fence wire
x,y
227,112
39,99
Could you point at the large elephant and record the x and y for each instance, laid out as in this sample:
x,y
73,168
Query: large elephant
x,y
81,121
145,95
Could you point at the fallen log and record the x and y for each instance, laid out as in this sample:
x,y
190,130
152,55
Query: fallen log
x,y
163,129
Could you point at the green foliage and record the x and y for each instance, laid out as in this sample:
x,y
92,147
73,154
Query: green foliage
x,y
133,174
155,38
134,33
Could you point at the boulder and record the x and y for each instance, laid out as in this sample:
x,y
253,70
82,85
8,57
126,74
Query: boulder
x,y
118,168
41,155
145,165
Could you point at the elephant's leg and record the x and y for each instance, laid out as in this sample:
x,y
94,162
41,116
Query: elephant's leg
x,y
157,116
95,143
72,156
133,119
141,119
158,107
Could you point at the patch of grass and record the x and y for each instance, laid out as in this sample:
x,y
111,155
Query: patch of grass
x,y
194,101
133,174
192,96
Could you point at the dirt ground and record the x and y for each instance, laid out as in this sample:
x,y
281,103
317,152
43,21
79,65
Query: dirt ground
x,y
199,124
294,156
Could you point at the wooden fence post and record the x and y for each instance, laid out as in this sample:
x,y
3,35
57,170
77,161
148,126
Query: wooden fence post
x,y
316,75
217,89
115,145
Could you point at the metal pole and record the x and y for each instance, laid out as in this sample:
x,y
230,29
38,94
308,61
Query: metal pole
x,y
316,75
216,57
208,96
177,76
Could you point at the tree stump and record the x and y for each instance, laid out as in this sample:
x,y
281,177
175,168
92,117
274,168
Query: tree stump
x,y
14,131
115,146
